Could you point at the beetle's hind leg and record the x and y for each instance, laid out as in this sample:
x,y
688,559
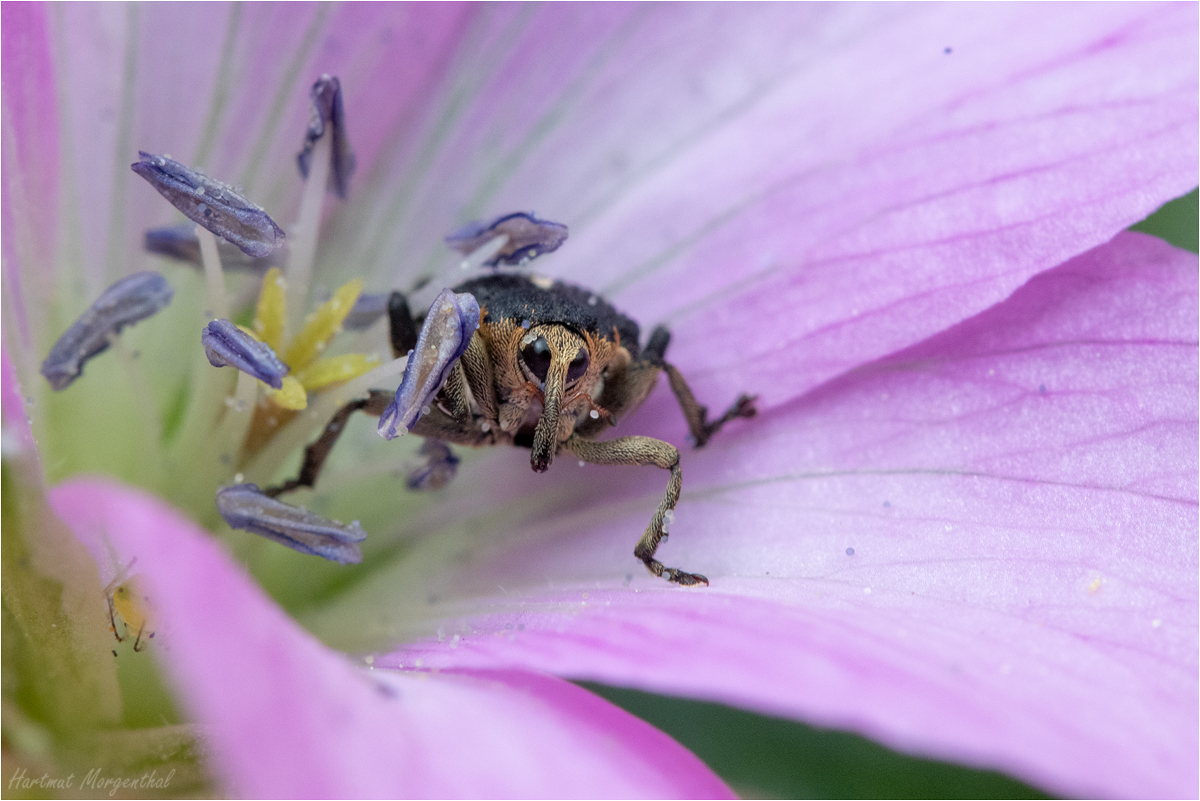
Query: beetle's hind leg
x,y
644,451
697,416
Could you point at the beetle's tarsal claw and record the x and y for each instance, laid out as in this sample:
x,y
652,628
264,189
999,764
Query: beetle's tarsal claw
x,y
444,337
226,345
685,579
528,238
211,204
126,302
672,574
327,113
245,507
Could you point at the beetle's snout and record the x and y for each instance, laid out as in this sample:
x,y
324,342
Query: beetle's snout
x,y
545,436
554,355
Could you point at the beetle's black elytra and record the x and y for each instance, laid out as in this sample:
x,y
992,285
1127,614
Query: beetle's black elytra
x,y
551,367
509,296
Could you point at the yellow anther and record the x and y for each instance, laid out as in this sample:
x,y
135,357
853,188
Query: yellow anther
x,y
335,369
291,396
271,310
321,326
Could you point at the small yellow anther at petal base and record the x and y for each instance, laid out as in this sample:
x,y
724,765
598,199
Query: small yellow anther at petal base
x,y
335,370
271,310
292,396
321,326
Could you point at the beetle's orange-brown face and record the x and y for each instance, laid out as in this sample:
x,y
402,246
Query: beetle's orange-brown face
x,y
547,376
557,358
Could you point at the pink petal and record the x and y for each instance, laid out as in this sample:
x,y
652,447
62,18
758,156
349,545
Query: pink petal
x,y
213,103
798,190
290,718
1020,494
29,192
816,145
16,422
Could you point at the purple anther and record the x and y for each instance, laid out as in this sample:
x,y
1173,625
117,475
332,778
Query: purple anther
x,y
212,204
126,302
528,238
367,309
326,110
226,345
440,466
245,507
180,242
444,337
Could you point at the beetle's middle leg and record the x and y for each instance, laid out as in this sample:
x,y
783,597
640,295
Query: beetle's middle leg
x,y
643,451
697,416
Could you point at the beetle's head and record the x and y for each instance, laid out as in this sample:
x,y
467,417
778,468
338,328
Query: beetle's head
x,y
556,357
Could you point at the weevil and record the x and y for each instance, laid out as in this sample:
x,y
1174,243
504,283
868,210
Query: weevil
x,y
551,367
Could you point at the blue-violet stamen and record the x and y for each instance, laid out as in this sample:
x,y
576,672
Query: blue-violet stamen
x,y
444,337
130,300
367,309
528,238
326,112
211,204
439,468
245,507
180,242
226,345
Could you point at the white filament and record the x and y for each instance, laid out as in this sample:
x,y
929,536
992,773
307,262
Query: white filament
x,y
214,278
303,247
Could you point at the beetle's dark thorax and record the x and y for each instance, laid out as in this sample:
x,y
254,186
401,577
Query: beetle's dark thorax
x,y
520,298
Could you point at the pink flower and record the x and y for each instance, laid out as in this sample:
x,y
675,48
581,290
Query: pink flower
x,y
964,523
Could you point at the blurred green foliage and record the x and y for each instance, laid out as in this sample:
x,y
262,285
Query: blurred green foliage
x,y
764,757
1178,222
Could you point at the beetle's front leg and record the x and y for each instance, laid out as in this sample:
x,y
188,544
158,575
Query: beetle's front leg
x,y
315,454
643,451
470,380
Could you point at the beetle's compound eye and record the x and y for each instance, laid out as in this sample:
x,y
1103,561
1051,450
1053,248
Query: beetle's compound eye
x,y
578,366
537,357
